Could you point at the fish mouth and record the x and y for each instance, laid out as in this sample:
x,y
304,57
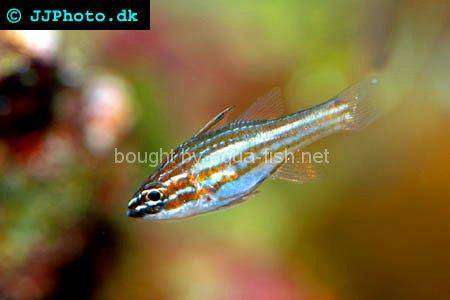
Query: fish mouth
x,y
141,211
133,213
134,202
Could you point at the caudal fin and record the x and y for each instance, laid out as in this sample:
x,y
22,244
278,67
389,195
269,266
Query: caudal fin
x,y
361,108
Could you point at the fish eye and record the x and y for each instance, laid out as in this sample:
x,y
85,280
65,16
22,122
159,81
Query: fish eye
x,y
153,195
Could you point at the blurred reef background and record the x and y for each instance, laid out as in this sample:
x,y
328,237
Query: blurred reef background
x,y
375,227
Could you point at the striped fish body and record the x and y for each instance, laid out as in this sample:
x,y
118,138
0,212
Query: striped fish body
x,y
222,167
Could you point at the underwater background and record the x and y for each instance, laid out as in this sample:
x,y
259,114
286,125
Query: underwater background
x,y
375,226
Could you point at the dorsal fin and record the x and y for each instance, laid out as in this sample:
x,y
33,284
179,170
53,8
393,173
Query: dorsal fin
x,y
296,170
269,106
214,121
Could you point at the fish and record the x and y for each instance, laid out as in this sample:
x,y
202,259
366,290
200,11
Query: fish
x,y
223,165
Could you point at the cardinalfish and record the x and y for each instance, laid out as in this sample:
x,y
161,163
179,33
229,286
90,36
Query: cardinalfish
x,y
203,174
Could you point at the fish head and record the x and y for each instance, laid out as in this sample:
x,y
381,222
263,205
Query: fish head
x,y
172,197
148,200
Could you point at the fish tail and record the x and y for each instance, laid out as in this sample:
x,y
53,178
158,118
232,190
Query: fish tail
x,y
360,105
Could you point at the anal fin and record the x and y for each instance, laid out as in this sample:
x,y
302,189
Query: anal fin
x,y
295,169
